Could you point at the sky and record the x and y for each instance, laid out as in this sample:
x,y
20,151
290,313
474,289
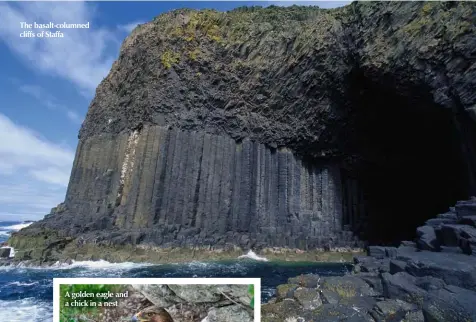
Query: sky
x,y
47,85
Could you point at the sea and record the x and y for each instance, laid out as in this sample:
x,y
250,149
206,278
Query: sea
x,y
26,293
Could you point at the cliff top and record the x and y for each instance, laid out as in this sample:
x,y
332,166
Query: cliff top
x,y
283,75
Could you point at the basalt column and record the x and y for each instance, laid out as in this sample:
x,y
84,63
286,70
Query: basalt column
x,y
181,188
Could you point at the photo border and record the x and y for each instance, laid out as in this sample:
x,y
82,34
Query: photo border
x,y
180,281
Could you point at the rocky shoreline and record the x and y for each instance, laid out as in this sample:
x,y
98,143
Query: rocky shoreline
x,y
431,279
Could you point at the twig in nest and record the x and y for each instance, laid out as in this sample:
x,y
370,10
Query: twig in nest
x,y
248,309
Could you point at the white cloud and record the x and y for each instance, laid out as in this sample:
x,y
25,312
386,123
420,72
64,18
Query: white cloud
x,y
50,101
83,56
130,26
34,172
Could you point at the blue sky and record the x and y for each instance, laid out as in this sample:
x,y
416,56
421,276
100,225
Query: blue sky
x,y
48,83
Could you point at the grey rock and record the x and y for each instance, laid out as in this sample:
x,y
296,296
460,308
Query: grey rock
x,y
450,304
391,252
230,313
466,208
455,269
415,316
397,266
329,297
402,286
392,310
430,283
305,280
377,252
308,298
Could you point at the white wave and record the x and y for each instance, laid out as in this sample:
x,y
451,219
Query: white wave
x,y
16,283
252,255
17,226
28,309
4,233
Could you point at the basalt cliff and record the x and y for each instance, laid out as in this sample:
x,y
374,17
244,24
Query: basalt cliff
x,y
292,127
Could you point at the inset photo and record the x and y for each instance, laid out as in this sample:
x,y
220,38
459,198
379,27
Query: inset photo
x,y
156,299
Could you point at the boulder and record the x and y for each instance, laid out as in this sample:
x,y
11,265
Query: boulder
x,y
335,312
440,221
451,234
451,303
448,215
308,298
346,286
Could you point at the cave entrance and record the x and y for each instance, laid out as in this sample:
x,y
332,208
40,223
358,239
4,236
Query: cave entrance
x,y
411,165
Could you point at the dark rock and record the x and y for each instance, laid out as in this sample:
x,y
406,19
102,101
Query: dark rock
x,y
402,286
455,269
5,252
415,316
391,252
407,243
392,310
452,233
450,304
468,220
397,266
448,215
454,250
374,281
466,208
377,252
429,283
440,221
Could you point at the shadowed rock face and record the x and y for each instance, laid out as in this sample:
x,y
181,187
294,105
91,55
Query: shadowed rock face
x,y
278,127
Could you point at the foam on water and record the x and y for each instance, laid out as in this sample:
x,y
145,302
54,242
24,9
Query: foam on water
x,y
252,255
28,309
17,226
